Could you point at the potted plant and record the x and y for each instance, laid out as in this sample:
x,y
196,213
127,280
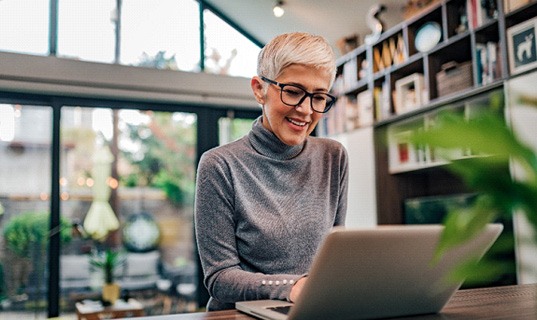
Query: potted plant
x,y
108,261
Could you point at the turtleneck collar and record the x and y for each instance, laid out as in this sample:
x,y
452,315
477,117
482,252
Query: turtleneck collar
x,y
268,144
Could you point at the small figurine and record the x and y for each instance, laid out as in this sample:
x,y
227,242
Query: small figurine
x,y
374,23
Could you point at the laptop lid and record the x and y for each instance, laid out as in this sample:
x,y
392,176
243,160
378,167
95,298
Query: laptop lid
x,y
378,272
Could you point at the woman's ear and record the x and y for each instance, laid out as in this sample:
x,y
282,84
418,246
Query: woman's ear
x,y
257,87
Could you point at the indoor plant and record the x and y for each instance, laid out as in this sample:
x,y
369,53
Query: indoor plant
x,y
108,261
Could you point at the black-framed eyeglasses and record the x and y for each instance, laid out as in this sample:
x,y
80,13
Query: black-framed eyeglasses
x,y
293,95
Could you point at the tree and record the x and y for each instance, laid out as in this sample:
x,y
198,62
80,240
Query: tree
x,y
165,155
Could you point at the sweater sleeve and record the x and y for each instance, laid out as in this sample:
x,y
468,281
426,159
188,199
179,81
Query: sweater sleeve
x,y
215,226
343,189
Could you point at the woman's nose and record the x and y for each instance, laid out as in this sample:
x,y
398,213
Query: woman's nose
x,y
305,106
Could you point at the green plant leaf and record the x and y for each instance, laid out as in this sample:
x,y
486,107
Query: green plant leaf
x,y
29,230
476,272
498,150
464,224
487,135
108,261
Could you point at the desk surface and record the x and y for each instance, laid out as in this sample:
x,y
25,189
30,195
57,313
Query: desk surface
x,y
509,302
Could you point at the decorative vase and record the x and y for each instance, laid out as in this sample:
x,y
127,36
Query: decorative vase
x,y
111,292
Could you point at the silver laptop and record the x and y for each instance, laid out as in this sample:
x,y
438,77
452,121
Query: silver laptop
x,y
386,271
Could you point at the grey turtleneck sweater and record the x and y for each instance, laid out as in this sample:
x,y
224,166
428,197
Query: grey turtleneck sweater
x,y
262,209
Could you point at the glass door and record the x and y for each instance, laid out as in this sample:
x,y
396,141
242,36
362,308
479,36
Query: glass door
x,y
128,183
25,182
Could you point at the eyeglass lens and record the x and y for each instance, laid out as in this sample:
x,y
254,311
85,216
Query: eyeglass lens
x,y
293,96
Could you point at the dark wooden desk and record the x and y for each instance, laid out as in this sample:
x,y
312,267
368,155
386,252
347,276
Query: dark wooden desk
x,y
509,302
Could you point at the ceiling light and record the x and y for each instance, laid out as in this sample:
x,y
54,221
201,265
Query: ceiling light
x,y
278,9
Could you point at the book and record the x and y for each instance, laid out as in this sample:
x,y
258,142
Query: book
x,y
400,54
364,100
386,54
350,73
487,62
378,64
480,12
377,94
352,115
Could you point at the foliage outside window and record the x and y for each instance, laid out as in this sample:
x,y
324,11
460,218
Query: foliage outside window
x,y
164,157
29,229
26,236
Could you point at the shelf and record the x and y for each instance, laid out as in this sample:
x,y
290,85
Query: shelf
x,y
463,70
441,102
521,14
409,66
359,85
416,167
403,156
475,44
468,60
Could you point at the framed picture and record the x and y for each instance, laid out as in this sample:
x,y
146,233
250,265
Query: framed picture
x,y
521,46
409,93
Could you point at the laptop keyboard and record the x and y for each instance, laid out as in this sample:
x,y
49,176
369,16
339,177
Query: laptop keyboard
x,y
282,309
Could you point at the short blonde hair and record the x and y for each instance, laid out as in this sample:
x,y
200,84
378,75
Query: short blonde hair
x,y
296,48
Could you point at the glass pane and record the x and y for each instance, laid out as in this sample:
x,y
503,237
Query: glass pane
x,y
160,34
86,29
25,144
147,183
227,50
24,26
231,129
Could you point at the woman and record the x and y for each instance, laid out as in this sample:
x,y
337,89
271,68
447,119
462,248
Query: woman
x,y
265,202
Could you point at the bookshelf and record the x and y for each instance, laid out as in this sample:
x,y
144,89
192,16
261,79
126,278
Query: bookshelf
x,y
465,49
401,82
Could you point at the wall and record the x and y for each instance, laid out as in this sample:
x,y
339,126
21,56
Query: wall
x,y
362,205
523,118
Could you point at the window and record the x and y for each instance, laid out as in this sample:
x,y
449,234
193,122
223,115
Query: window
x,y
86,30
231,128
25,150
152,35
24,26
161,34
226,50
150,191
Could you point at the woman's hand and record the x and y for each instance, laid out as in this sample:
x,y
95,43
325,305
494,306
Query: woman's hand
x,y
297,289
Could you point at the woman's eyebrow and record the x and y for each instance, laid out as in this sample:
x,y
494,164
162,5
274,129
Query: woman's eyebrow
x,y
318,90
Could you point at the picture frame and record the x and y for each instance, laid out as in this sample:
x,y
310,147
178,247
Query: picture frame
x,y
522,46
409,93
399,151
402,154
